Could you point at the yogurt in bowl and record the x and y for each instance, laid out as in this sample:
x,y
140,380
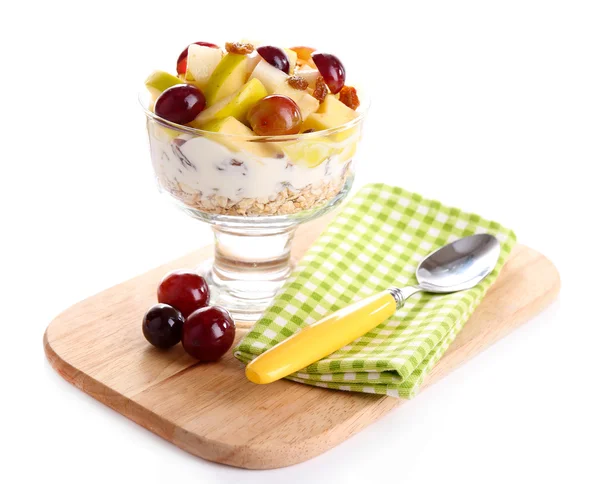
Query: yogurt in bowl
x,y
205,173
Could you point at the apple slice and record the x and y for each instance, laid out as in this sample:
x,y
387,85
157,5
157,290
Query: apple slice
x,y
229,76
270,76
159,81
231,125
236,105
303,99
292,59
309,152
201,62
253,60
310,75
331,114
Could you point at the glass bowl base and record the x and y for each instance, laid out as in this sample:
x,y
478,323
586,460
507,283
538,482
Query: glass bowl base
x,y
246,300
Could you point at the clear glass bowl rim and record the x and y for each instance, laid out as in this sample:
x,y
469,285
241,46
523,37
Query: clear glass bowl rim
x,y
143,98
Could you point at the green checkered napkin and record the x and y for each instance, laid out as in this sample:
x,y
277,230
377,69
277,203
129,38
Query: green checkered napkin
x,y
377,242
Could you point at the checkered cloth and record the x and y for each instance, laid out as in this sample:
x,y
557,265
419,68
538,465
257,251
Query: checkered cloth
x,y
376,242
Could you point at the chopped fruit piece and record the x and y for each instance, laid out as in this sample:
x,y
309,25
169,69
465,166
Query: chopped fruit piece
x,y
182,59
332,70
292,58
180,104
252,62
162,326
208,333
159,81
311,76
303,99
236,105
275,115
201,62
233,126
270,76
348,152
229,76
275,56
240,48
320,91
331,114
166,135
298,82
185,290
309,152
349,97
304,55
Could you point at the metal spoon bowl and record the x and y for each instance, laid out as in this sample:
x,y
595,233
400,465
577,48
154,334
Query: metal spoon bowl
x,y
459,265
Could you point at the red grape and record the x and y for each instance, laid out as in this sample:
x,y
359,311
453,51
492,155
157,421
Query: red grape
x,y
208,333
184,290
182,59
332,70
180,104
275,56
162,326
275,115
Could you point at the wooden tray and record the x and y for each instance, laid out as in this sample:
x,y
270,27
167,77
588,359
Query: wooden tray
x,y
211,410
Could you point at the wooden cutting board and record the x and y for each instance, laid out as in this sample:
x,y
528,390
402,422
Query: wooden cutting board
x,y
211,410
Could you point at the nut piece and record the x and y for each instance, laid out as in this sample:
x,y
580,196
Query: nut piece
x,y
239,48
320,89
349,97
298,82
286,201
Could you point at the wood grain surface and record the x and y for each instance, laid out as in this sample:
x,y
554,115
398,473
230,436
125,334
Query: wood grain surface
x,y
211,410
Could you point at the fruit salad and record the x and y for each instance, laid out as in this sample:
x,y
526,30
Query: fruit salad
x,y
251,131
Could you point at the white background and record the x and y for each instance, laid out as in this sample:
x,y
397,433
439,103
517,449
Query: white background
x,y
490,106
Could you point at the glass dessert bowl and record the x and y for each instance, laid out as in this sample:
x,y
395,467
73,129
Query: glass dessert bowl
x,y
254,189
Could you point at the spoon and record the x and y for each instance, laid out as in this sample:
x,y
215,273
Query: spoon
x,y
457,266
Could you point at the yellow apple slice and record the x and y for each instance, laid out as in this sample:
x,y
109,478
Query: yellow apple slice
x,y
292,59
201,63
229,76
331,114
231,125
308,152
236,105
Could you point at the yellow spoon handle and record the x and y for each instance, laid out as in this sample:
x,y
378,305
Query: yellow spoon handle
x,y
322,338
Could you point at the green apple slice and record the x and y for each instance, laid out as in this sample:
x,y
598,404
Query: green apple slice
x,y
229,76
303,99
201,63
231,125
270,76
236,105
159,81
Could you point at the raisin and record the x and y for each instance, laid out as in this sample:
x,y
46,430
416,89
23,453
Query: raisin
x,y
298,82
320,89
239,48
349,97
